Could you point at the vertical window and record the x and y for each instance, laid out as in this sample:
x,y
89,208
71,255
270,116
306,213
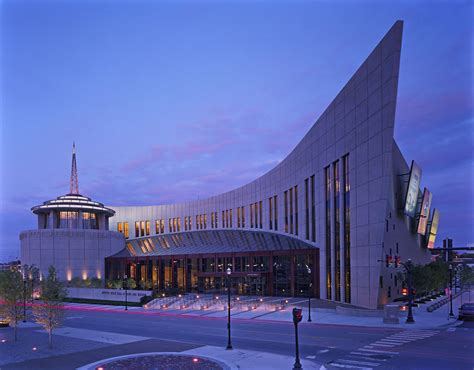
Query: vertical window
x,y
212,220
327,178
201,223
162,225
179,224
238,217
147,227
205,221
226,218
137,229
243,216
125,229
260,210
190,223
347,231
291,210
120,227
223,219
313,212
170,225
157,226
216,218
270,214
197,222
230,217
275,211
296,209
251,215
286,211
306,208
142,228
337,230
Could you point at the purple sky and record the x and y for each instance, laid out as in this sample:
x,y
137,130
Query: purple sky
x,y
179,101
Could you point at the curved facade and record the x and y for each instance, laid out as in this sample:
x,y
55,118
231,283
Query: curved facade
x,y
338,191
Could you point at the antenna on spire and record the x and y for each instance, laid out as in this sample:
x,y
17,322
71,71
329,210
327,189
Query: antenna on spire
x,y
73,185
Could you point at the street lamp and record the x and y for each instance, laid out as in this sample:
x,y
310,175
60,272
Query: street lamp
x,y
125,286
310,285
229,344
24,293
451,314
408,268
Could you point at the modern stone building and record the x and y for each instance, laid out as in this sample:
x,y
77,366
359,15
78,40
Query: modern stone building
x,y
73,235
328,220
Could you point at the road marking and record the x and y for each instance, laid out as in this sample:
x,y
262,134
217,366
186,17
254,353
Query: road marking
x,y
451,329
378,351
377,344
361,357
365,363
311,357
96,336
323,351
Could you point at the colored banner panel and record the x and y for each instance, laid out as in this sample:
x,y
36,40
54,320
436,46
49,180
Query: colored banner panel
x,y
411,197
433,229
424,212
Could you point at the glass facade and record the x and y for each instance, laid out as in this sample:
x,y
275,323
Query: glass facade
x,y
282,273
89,221
68,220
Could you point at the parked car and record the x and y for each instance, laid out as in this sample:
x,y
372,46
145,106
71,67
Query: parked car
x,y
466,311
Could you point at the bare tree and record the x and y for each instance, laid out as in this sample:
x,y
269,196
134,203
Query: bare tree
x,y
11,296
50,312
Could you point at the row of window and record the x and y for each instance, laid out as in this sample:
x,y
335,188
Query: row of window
x,y
71,220
256,214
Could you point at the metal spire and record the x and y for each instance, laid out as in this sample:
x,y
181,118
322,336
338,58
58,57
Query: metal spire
x,y
73,186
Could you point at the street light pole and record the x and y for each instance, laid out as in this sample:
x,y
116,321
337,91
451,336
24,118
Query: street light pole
x,y
24,296
125,286
408,267
229,344
310,285
451,314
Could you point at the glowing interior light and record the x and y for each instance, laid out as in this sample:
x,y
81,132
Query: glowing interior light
x,y
84,275
195,359
34,348
4,340
69,275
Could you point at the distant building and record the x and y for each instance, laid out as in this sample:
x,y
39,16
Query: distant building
x,y
333,220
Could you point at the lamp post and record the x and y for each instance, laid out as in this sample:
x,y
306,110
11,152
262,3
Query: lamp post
x,y
451,314
125,286
229,344
24,294
408,268
310,285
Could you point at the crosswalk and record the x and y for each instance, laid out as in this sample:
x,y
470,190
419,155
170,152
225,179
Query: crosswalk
x,y
380,351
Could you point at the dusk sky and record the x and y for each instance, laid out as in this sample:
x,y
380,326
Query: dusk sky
x,y
174,101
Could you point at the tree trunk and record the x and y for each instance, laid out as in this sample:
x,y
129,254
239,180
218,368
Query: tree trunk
x,y
50,331
16,331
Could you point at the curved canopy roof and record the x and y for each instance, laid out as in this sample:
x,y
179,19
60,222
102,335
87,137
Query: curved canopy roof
x,y
73,202
210,241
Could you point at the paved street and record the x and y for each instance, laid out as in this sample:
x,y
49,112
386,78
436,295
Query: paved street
x,y
331,346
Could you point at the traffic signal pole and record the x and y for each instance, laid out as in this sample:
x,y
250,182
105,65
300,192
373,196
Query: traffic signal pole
x,y
297,317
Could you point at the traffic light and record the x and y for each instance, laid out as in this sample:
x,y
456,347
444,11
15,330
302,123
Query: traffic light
x,y
404,291
297,315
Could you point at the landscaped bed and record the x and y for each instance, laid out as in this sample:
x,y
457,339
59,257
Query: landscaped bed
x,y
161,362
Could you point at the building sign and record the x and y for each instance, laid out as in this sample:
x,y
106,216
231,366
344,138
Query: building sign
x,y
433,229
411,197
424,212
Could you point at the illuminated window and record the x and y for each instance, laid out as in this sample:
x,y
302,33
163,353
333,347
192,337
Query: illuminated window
x,y
238,217
226,218
142,228
89,220
337,231
137,229
286,211
230,217
291,210
205,221
68,220
120,227
157,226
260,211
243,216
327,177
170,225
162,225
147,227
347,231
125,229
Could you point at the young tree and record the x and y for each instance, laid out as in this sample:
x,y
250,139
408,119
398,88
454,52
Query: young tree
x,y
50,312
11,295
